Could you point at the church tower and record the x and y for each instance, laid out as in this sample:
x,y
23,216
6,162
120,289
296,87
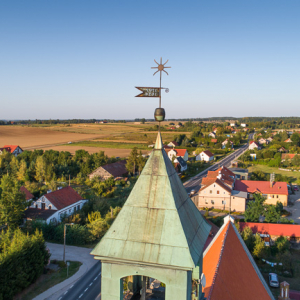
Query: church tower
x,y
156,240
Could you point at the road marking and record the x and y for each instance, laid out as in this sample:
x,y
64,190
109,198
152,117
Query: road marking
x,y
71,286
91,284
80,295
59,298
65,292
95,278
86,289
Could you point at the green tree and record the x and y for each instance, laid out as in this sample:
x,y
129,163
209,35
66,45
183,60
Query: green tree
x,y
255,209
40,169
271,214
21,173
141,161
132,161
295,139
248,238
259,249
282,244
12,202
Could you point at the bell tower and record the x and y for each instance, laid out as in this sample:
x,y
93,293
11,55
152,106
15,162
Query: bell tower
x,y
156,242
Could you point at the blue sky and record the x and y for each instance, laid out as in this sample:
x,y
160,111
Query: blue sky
x,y
82,59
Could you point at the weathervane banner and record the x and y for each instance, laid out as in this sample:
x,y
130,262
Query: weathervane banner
x,y
148,91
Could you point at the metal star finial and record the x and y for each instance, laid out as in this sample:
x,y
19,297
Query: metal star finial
x,y
161,67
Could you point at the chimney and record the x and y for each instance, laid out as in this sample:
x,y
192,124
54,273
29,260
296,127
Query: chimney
x,y
284,291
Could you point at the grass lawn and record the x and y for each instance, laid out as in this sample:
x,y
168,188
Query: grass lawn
x,y
48,280
294,176
115,145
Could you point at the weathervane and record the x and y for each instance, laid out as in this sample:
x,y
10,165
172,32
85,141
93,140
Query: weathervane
x,y
159,113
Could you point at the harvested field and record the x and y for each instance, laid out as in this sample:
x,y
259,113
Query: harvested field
x,y
108,151
27,137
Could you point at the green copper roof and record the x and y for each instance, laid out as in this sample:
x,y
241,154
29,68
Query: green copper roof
x,y
158,224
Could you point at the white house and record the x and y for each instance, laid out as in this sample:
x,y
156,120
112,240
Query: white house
x,y
226,142
212,134
262,141
173,144
178,152
205,156
243,125
53,206
13,149
180,164
232,124
253,145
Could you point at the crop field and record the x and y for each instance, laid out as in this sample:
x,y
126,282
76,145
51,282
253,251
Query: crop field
x,y
114,139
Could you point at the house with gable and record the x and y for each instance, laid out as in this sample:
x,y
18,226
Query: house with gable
x,y
214,141
53,206
176,153
28,195
117,169
205,156
262,141
212,134
288,141
226,142
173,144
230,270
253,145
180,164
13,149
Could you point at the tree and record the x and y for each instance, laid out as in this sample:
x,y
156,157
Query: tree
x,y
248,238
259,249
255,209
132,161
282,244
295,139
40,169
143,120
12,202
21,173
271,214
141,161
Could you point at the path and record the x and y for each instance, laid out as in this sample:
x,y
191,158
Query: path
x,y
73,254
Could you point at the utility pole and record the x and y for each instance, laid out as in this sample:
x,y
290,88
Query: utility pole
x,y
65,234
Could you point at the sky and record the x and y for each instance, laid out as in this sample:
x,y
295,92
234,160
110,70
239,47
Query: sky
x,y
82,59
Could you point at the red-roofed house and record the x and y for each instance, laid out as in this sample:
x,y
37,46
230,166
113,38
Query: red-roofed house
x,y
205,156
253,145
13,149
117,169
290,231
230,271
277,191
214,141
62,202
288,141
285,156
173,144
178,152
28,195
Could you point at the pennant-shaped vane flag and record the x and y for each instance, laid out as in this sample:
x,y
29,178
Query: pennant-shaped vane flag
x,y
148,91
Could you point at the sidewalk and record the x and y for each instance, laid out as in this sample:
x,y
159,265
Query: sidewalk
x,y
74,254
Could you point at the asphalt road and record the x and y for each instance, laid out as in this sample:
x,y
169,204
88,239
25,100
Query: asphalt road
x,y
87,287
195,182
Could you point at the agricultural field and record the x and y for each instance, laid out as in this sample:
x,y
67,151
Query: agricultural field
x,y
116,139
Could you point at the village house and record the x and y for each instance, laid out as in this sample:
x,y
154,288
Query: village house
x,y
232,124
180,164
262,141
214,141
243,125
240,174
13,149
205,156
217,192
270,139
173,144
212,134
53,206
285,156
290,231
282,149
272,191
226,142
117,169
253,145
178,126
288,141
176,153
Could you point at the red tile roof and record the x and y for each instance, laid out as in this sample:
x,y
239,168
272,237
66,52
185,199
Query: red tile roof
x,y
37,213
288,140
214,140
206,182
253,142
179,152
287,156
262,187
230,270
11,148
289,230
64,197
208,153
28,195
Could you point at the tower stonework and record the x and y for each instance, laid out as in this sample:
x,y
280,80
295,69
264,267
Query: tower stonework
x,y
159,233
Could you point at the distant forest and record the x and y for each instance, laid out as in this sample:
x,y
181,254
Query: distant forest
x,y
291,120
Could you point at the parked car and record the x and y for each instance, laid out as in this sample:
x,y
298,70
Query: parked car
x,y
273,280
193,192
296,188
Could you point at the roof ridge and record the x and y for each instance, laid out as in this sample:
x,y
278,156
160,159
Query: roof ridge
x,y
219,261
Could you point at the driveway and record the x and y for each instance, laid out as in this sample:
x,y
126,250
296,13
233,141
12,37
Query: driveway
x,y
74,254
294,207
